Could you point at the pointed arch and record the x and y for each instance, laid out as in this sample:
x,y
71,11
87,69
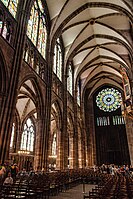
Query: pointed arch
x,y
29,89
28,136
57,109
29,101
55,135
29,123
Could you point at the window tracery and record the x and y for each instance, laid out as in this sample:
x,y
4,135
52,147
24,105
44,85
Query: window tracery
x,y
33,58
58,59
36,29
109,99
12,6
69,79
12,135
118,120
27,139
78,94
54,145
5,27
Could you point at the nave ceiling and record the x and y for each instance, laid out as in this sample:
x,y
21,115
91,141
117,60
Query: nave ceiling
x,y
97,37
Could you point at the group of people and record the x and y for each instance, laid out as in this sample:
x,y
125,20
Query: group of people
x,y
8,173
112,169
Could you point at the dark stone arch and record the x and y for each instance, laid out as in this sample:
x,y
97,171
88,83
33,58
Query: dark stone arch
x,y
30,90
59,113
3,74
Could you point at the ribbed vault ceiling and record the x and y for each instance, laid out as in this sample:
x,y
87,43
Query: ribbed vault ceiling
x,y
97,38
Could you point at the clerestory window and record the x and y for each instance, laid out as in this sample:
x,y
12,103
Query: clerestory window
x,y
36,29
58,59
12,6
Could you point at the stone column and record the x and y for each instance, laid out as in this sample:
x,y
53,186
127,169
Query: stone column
x,y
71,150
129,131
65,148
59,150
39,143
84,140
75,148
64,133
10,100
91,133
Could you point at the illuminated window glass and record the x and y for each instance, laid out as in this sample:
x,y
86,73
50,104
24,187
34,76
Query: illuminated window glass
x,y
109,99
54,145
5,27
36,29
12,135
11,5
27,139
1,21
118,120
69,80
58,59
103,121
78,95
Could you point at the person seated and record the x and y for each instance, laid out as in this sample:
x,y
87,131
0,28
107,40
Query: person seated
x,y
8,180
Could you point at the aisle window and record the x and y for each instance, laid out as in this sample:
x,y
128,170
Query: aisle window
x,y
54,145
12,135
27,139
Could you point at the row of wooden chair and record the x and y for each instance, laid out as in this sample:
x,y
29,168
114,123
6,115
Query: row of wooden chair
x,y
102,189
24,191
129,183
35,189
114,187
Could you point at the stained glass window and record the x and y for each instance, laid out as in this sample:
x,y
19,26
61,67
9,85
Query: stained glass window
x,y
118,120
103,121
69,80
78,95
1,21
36,29
5,29
54,145
27,139
26,54
109,99
11,5
12,135
58,59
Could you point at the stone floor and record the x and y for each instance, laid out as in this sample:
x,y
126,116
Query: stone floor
x,y
74,193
